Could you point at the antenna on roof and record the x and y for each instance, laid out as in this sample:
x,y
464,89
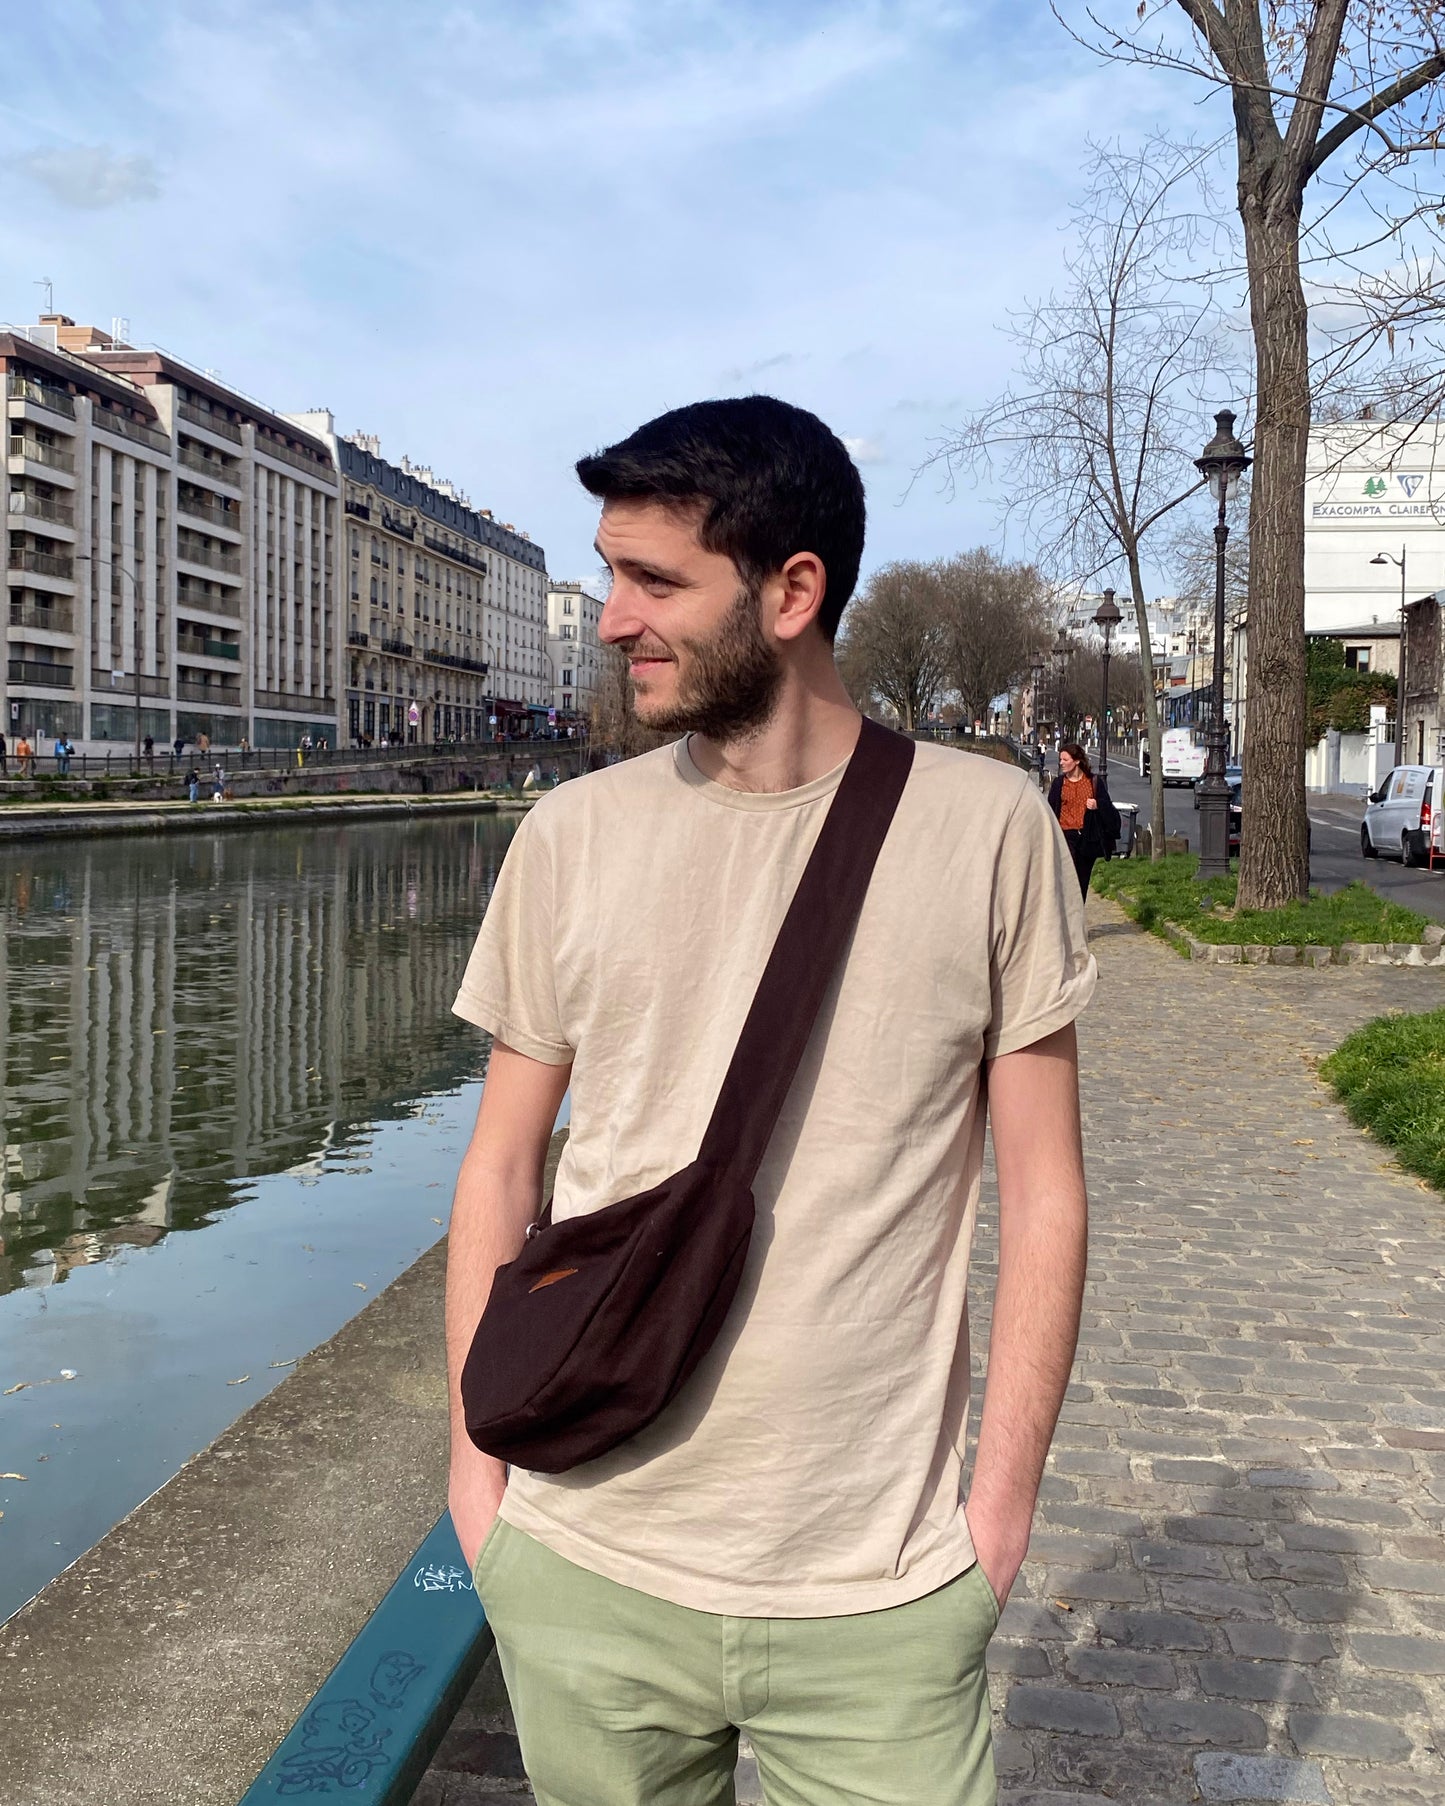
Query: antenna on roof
x,y
49,287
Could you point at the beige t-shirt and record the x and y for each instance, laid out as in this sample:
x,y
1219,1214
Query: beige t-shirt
x,y
811,1466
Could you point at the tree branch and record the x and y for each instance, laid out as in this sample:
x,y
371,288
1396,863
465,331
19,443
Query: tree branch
x,y
1357,118
1321,49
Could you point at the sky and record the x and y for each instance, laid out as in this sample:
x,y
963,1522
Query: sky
x,y
500,235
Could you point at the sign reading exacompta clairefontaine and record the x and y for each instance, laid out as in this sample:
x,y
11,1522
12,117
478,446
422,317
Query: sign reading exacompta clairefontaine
x,y
1372,487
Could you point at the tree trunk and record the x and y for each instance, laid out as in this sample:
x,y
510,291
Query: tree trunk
x,y
1274,851
1151,710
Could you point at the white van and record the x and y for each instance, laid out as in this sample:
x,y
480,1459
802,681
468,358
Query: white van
x,y
1183,759
1401,816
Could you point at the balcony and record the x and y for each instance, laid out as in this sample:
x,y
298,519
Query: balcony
x,y
213,423
223,604
211,556
398,648
25,506
456,662
227,696
358,639
460,557
48,455
43,564
288,702
210,511
272,449
126,428
35,614
213,469
42,676
359,509
195,646
395,524
25,388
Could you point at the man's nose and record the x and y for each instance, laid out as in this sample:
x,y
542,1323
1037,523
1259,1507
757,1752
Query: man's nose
x,y
619,619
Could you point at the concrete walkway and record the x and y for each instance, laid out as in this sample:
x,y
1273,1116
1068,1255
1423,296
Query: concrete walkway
x,y
1236,1590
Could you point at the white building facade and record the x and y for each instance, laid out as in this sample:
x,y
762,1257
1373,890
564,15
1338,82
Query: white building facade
x,y
172,548
573,648
1372,490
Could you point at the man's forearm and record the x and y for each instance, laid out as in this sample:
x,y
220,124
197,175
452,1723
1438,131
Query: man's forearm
x,y
1033,1101
1042,1254
489,1218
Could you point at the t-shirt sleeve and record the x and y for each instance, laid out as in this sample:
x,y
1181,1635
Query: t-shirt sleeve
x,y
510,987
1041,973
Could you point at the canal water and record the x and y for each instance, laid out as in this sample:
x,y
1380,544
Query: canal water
x,y
234,1100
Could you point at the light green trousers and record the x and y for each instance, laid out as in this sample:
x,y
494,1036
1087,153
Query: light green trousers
x,y
625,1700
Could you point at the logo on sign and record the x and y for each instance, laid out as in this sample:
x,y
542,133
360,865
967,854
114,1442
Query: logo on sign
x,y
1375,486
1409,484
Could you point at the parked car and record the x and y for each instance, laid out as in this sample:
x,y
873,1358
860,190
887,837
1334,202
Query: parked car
x,y
1233,776
1400,815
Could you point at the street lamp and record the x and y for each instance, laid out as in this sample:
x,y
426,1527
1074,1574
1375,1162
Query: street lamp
x,y
1036,679
1389,558
1222,463
1106,618
1061,651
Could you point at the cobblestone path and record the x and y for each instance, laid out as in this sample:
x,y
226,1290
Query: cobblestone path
x,y
1236,1588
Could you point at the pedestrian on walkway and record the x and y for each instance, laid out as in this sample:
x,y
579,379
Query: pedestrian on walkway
x,y
63,753
783,1550
4,758
203,745
148,747
25,756
193,784
1085,810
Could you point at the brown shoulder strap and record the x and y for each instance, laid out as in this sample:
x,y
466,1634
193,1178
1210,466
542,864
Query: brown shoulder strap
x,y
809,948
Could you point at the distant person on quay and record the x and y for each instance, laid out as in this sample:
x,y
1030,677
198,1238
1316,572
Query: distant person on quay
x,y
4,758
193,784
1085,810
786,1549
25,757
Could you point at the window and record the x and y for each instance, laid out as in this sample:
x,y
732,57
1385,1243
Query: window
x,y
567,679
1357,658
567,606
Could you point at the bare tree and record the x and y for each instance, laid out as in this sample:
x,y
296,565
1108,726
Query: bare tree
x,y
894,641
996,616
1335,102
1098,437
613,725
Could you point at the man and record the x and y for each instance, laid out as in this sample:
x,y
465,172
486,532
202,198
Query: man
x,y
785,1549
25,754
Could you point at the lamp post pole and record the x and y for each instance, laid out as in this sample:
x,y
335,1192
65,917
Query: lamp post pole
x,y
1389,558
1106,618
1223,462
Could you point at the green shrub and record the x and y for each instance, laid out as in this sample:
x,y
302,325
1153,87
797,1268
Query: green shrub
x,y
1170,891
1390,1076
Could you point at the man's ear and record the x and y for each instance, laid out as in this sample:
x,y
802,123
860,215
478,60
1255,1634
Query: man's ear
x,y
802,584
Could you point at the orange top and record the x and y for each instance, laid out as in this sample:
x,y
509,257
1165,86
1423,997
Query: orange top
x,y
1074,795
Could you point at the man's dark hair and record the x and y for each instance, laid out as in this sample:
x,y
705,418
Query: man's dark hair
x,y
770,480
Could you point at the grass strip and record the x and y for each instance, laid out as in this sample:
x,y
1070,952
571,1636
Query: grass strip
x,y
1390,1076
1169,891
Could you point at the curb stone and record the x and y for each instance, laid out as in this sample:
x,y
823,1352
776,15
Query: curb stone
x,y
1429,952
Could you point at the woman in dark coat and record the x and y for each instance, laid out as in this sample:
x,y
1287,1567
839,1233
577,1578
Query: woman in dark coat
x,y
1086,814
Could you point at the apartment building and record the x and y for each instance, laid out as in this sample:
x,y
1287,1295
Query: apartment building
x,y
172,550
573,649
445,606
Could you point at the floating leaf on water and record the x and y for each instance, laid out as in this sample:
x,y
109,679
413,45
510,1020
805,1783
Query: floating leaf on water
x,y
240,1382
291,1363
69,1373
19,1386
359,1286
14,1476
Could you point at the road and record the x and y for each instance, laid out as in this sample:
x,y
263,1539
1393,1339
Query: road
x,y
1334,843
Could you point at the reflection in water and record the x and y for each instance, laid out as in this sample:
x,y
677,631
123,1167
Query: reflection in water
x,y
246,1033
182,1013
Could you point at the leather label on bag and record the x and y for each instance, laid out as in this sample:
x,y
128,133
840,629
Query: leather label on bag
x,y
550,1279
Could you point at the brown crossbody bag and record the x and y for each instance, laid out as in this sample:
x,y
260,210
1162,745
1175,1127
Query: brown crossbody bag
x,y
597,1324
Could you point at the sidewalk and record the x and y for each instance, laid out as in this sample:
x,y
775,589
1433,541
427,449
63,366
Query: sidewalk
x,y
1236,1590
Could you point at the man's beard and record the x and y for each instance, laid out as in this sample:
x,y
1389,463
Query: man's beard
x,y
728,688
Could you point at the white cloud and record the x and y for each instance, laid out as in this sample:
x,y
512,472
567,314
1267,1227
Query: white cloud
x,y
865,451
91,177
